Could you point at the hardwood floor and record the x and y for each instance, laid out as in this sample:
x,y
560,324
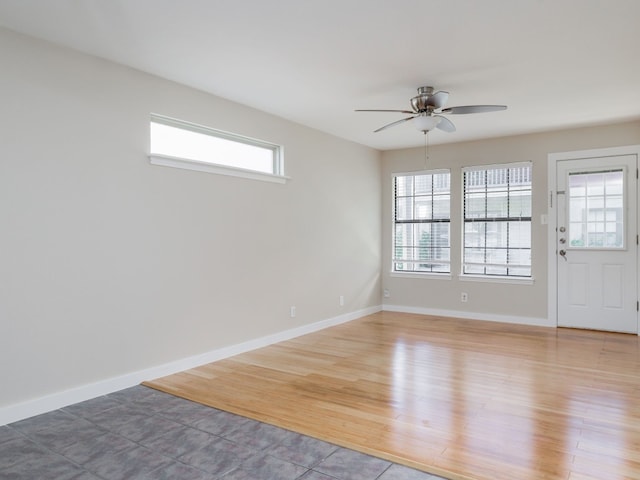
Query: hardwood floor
x,y
463,399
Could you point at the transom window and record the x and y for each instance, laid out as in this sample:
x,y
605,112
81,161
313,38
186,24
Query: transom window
x,y
497,220
181,144
422,222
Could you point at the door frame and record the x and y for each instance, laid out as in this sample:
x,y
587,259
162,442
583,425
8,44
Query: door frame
x,y
552,216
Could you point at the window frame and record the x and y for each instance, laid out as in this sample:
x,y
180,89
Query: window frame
x,y
414,273
277,175
500,278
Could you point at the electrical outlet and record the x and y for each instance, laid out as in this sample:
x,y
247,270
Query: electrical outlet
x,y
386,293
293,311
464,297
342,300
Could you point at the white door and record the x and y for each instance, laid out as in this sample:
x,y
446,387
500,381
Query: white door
x,y
596,243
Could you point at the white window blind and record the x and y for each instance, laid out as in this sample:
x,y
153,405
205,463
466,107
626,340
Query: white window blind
x,y
421,236
497,220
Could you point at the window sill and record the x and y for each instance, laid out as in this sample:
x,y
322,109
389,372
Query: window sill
x,y
421,275
496,279
195,165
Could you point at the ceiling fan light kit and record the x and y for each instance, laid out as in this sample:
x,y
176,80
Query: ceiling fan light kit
x,y
426,123
427,109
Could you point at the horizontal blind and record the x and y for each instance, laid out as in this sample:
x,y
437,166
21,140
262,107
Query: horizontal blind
x,y
497,220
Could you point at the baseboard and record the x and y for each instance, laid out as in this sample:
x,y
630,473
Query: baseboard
x,y
30,408
490,317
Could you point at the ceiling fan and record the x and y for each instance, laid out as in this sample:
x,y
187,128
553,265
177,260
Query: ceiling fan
x,y
427,109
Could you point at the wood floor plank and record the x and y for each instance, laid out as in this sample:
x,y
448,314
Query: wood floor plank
x,y
464,399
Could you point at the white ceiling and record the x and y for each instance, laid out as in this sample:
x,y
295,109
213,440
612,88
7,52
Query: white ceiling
x,y
555,63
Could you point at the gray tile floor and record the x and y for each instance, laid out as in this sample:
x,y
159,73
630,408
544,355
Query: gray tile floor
x,y
142,434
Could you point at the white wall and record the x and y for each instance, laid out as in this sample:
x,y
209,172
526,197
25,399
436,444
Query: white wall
x,y
492,301
110,265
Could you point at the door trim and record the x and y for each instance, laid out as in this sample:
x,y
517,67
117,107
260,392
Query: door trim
x,y
551,200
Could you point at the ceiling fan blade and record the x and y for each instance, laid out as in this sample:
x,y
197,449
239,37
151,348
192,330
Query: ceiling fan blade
x,y
438,99
445,124
394,123
473,109
397,111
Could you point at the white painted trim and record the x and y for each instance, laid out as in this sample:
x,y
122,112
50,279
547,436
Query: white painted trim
x,y
37,406
187,164
421,275
552,274
470,277
489,317
428,171
552,267
595,153
491,166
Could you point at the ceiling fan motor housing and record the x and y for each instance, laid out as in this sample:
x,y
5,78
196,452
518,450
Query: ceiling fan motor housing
x,y
420,103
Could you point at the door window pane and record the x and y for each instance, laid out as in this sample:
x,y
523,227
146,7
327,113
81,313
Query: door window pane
x,y
596,210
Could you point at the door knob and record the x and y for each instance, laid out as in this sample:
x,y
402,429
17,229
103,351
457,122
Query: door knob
x,y
563,254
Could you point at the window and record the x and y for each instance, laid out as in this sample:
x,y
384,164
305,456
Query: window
x,y
497,220
421,222
596,213
176,143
